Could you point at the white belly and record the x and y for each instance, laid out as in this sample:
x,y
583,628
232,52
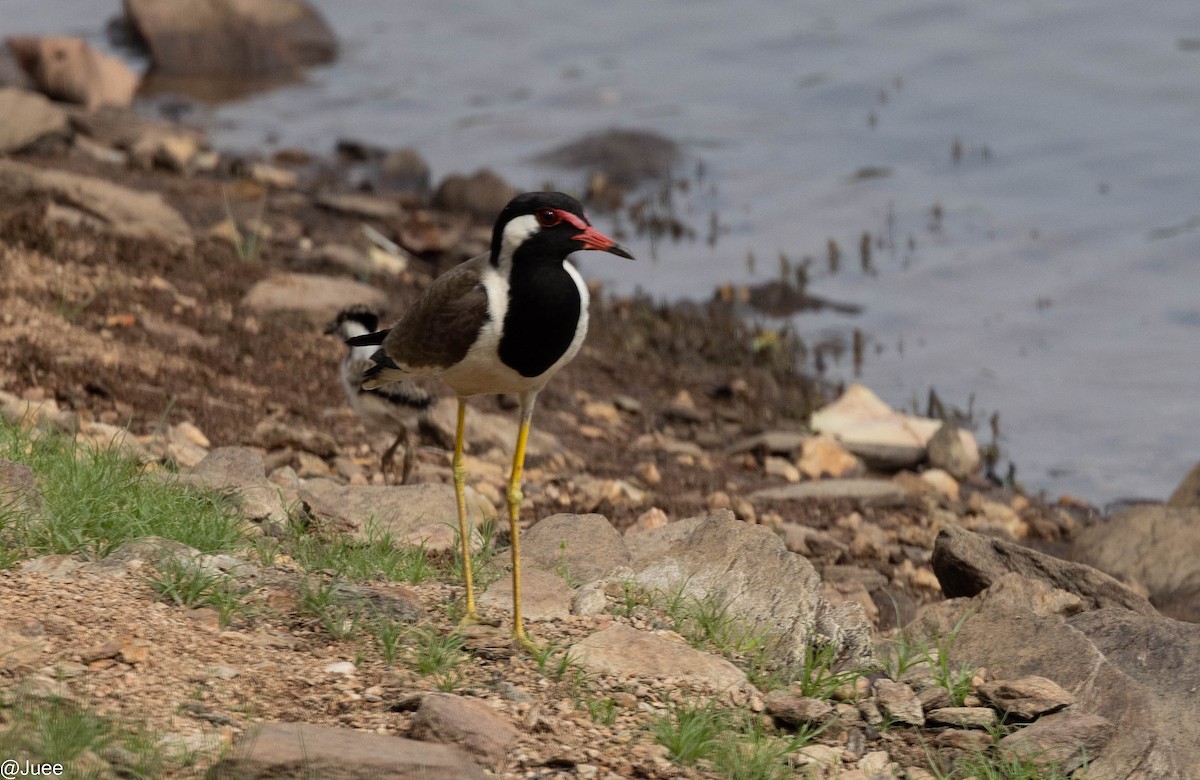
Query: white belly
x,y
482,372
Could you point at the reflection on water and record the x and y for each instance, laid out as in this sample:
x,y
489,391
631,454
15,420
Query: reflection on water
x,y
1007,190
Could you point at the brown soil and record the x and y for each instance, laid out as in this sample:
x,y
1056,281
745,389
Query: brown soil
x,y
142,334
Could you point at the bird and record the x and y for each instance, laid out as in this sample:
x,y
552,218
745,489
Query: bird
x,y
397,406
503,322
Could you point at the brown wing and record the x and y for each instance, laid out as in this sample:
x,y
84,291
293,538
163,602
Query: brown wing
x,y
441,326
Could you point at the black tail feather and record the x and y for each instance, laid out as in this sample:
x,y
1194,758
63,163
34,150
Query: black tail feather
x,y
380,360
369,339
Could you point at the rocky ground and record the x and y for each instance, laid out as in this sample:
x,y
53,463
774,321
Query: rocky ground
x,y
691,537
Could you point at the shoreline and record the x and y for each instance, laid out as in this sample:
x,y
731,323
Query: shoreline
x,y
157,289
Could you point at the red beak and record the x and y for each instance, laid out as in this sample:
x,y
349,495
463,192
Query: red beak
x,y
594,239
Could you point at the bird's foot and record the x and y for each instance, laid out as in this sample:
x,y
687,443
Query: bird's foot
x,y
526,643
469,619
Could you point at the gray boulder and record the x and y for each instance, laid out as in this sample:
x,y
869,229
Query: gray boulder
x,y
750,570
1188,492
579,548
622,651
480,195
318,297
25,117
966,563
231,38
868,491
118,209
1156,546
479,729
414,514
1137,671
278,750
239,471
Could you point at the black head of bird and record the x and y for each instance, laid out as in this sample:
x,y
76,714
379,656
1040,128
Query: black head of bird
x,y
546,226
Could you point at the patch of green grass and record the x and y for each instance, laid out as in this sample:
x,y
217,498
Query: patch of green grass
x,y
765,672
483,573
956,679
690,732
188,584
633,596
553,660
388,633
708,622
11,527
563,567
96,498
437,655
817,677
738,744
999,765
339,617
752,751
901,654
379,556
57,731
248,247
904,653
602,711
266,549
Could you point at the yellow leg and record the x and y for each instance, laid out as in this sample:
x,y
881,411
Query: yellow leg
x,y
464,530
514,510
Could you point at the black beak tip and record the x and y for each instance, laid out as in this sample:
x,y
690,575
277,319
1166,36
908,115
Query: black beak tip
x,y
621,251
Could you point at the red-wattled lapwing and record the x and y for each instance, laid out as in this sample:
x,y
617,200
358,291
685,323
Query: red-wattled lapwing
x,y
503,322
398,406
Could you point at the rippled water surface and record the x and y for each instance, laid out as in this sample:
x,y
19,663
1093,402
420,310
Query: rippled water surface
x,y
1060,284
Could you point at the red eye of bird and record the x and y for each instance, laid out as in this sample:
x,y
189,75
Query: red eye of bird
x,y
547,217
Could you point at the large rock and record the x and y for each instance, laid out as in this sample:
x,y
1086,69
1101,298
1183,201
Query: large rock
x,y
25,117
1140,672
651,544
766,587
622,651
358,204
235,38
469,723
544,595
481,195
579,548
317,297
70,69
948,451
241,472
866,491
121,210
415,514
1187,494
1156,546
1063,742
1025,698
626,157
965,563
279,750
883,437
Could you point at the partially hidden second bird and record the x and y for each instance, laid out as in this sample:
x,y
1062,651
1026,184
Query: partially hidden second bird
x,y
503,322
398,407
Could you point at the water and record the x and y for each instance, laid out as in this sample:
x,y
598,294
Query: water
x,y
1060,284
